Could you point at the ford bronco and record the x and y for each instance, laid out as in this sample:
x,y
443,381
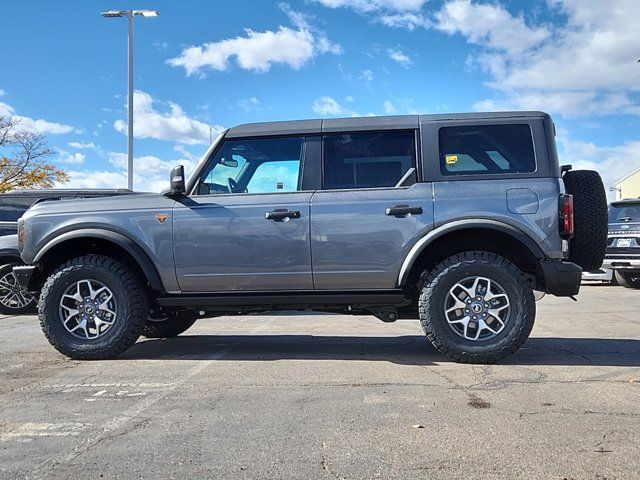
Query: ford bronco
x,y
453,220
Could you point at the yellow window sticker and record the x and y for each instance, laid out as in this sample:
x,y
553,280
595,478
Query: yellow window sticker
x,y
451,159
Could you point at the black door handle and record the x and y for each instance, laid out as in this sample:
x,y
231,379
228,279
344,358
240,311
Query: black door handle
x,y
281,214
402,211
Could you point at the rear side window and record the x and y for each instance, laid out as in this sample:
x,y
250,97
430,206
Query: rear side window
x,y
486,149
12,208
369,160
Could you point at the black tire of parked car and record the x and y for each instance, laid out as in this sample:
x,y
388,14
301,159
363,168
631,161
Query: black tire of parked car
x,y
169,325
130,296
589,243
628,279
436,285
27,303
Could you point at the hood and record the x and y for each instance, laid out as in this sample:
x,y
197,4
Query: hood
x,y
133,201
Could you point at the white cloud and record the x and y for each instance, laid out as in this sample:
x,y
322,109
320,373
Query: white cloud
x,y
389,108
151,174
160,45
612,162
34,125
490,25
410,21
376,5
2,92
585,65
400,57
367,75
171,124
259,51
570,103
251,104
76,158
83,145
327,106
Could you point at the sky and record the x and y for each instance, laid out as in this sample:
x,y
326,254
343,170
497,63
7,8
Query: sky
x,y
202,66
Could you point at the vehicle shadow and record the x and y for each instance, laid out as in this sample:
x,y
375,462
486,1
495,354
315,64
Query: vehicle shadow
x,y
404,350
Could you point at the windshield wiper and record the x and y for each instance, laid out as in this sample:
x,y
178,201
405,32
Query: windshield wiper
x,y
625,219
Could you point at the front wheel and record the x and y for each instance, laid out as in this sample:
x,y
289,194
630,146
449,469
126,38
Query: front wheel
x,y
93,308
628,279
476,307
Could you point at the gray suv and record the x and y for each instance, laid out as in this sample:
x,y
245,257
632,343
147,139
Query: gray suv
x,y
450,219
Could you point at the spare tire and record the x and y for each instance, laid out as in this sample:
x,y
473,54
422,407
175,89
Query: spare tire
x,y
589,242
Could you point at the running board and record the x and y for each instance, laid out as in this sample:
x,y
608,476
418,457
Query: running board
x,y
268,299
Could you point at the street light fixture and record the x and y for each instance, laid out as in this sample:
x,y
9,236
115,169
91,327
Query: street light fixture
x,y
130,14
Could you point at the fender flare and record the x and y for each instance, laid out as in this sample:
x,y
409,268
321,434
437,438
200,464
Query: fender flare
x,y
131,247
459,225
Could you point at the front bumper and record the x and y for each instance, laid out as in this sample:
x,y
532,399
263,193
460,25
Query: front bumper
x,y
561,279
24,274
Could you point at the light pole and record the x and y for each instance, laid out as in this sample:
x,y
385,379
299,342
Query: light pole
x,y
130,14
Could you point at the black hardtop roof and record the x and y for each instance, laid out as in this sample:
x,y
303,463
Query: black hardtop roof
x,y
394,122
44,192
626,201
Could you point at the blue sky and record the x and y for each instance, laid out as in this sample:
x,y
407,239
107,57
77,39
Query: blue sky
x,y
202,66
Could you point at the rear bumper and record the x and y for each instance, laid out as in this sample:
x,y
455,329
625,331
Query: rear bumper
x,y
621,263
561,279
24,274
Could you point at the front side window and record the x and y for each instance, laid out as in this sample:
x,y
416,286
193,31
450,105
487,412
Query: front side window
x,y
369,160
265,165
486,149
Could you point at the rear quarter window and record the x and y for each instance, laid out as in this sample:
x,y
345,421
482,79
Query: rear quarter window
x,y
486,149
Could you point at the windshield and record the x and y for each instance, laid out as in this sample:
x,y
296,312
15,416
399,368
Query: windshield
x,y
624,213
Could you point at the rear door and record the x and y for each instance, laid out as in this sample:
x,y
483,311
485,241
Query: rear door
x,y
247,226
370,210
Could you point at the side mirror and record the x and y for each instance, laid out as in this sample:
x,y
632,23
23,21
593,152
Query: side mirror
x,y
177,184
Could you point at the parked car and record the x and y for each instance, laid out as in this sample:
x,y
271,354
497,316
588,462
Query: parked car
x,y
623,243
15,202
13,298
450,219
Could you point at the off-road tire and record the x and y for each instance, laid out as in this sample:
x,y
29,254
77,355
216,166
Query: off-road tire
x,y
9,310
589,243
130,295
435,287
170,325
628,279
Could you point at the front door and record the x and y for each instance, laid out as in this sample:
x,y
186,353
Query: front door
x,y
246,228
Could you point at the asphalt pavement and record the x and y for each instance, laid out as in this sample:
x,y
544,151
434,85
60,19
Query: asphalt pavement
x,y
325,396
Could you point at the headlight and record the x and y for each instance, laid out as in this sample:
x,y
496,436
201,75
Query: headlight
x,y
21,234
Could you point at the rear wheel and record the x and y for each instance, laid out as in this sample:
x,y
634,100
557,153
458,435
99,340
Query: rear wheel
x,y
14,300
93,308
628,279
476,307
169,325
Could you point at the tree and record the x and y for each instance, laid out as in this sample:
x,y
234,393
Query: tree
x,y
23,157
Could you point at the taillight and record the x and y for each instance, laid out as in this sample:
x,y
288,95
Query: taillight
x,y
566,216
